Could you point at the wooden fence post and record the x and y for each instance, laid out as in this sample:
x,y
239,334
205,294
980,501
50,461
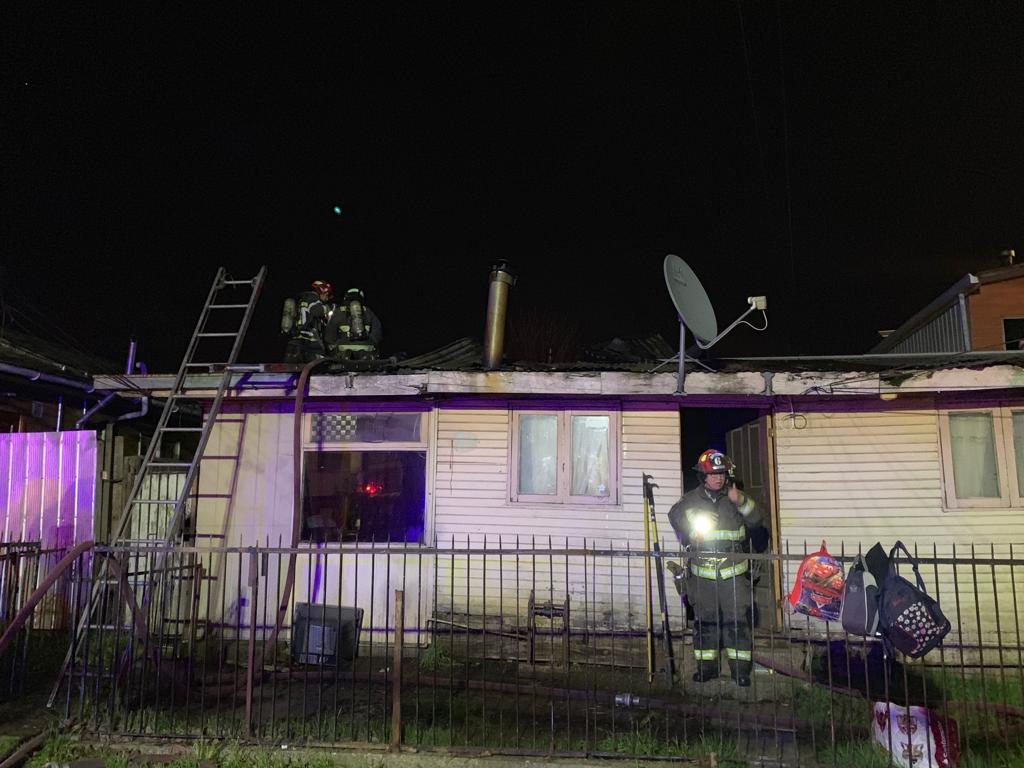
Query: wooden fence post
x,y
396,680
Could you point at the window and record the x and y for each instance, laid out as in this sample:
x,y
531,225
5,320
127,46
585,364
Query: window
x,y
1013,333
364,477
564,456
983,457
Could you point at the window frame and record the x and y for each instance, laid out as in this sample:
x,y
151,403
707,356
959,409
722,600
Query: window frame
x,y
563,460
422,445
1010,493
1003,324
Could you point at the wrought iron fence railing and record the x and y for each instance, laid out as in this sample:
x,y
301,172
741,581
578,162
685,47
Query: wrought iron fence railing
x,y
531,647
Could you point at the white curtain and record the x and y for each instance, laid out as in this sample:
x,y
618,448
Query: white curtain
x,y
590,465
538,454
975,469
1018,448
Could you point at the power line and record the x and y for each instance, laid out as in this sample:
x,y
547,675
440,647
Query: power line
x,y
785,151
753,107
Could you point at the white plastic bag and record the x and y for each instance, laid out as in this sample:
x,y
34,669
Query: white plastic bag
x,y
919,737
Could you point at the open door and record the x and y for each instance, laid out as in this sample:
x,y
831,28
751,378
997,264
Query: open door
x,y
750,447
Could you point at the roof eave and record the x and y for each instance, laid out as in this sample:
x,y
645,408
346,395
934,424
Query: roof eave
x,y
967,284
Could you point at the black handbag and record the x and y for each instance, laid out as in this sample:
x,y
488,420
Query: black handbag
x,y
909,620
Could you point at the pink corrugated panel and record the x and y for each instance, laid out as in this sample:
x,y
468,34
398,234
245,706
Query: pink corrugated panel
x,y
47,487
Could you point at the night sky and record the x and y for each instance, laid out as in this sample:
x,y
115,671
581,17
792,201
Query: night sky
x,y
849,161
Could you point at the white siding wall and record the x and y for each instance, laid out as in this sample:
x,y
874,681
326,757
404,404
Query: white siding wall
x,y
854,479
259,511
472,503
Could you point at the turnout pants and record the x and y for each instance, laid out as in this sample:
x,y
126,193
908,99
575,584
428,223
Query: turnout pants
x,y
301,350
721,609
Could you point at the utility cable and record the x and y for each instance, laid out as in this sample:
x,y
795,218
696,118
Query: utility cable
x,y
785,152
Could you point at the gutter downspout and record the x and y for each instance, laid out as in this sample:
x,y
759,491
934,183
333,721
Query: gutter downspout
x,y
99,406
31,375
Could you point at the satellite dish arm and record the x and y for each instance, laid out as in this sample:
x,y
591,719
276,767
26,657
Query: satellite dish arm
x,y
756,303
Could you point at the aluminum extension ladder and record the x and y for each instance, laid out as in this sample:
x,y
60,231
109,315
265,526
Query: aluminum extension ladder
x,y
171,510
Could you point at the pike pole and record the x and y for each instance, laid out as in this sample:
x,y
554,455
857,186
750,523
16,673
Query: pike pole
x,y
653,546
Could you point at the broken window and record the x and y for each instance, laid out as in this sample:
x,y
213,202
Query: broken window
x,y
364,477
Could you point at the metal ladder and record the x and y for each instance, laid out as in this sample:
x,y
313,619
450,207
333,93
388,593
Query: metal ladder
x,y
137,508
178,396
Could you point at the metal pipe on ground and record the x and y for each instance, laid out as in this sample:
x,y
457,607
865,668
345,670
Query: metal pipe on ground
x,y
22,753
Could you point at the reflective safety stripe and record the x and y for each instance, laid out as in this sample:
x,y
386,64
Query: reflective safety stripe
x,y
736,535
710,572
733,653
705,654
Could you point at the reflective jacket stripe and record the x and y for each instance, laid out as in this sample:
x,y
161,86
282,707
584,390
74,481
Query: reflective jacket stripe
x,y
705,654
706,572
734,653
738,534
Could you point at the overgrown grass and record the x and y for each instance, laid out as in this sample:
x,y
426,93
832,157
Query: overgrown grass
x,y
436,657
59,748
7,745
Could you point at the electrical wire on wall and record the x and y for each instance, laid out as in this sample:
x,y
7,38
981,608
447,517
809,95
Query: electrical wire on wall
x,y
841,385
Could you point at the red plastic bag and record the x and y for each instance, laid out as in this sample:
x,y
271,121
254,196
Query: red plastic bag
x,y
818,587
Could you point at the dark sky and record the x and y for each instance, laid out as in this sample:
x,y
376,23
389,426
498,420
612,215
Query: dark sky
x,y
582,141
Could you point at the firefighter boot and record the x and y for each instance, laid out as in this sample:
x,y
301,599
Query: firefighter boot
x,y
706,670
740,671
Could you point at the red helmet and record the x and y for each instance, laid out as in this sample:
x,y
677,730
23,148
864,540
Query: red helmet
x,y
714,462
322,287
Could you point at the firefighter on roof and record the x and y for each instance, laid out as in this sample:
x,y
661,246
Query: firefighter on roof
x,y
354,332
714,519
305,320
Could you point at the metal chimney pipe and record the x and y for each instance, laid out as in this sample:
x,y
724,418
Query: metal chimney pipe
x,y
497,308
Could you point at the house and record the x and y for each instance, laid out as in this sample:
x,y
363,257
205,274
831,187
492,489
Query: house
x,y
980,312
440,452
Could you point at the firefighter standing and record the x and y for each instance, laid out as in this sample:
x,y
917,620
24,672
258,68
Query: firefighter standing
x,y
713,519
354,331
307,319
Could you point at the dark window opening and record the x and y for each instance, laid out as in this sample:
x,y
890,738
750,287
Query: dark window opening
x,y
364,496
1013,332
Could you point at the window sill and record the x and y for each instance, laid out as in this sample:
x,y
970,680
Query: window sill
x,y
568,506
332,547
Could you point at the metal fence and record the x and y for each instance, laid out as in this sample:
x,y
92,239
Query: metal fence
x,y
526,647
26,648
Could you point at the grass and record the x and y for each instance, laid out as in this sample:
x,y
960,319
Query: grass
x,y
59,748
435,658
7,745
985,743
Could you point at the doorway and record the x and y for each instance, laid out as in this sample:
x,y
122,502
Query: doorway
x,y
743,434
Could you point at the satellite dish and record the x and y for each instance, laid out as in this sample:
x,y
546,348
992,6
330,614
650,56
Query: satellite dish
x,y
690,299
695,312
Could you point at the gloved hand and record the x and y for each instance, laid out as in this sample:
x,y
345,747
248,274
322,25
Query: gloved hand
x,y
678,575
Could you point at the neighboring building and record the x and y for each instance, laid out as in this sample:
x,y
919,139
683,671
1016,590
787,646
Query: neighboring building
x,y
981,312
68,449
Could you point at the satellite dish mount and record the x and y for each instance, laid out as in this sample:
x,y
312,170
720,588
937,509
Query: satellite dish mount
x,y
693,307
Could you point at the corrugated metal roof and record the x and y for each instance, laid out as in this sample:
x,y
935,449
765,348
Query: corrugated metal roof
x,y
464,354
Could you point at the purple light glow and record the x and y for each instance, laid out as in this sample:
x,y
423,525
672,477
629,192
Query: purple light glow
x,y
47,487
